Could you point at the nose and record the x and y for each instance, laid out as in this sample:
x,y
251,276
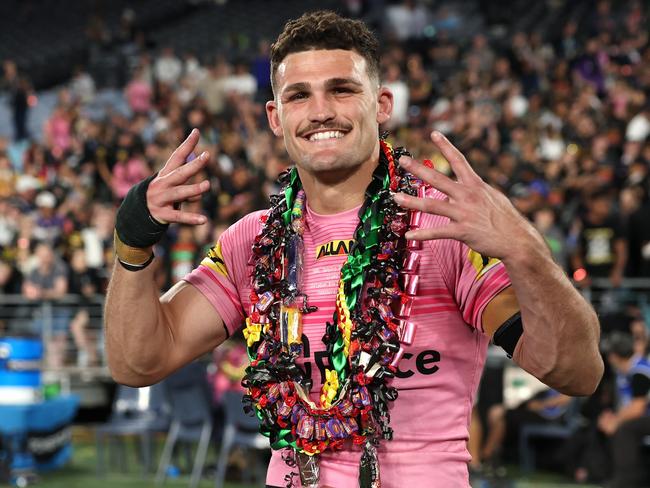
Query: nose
x,y
320,109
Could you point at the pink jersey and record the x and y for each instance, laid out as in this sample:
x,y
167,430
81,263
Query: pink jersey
x,y
439,374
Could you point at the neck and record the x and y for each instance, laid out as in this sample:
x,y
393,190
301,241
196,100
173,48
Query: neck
x,y
333,192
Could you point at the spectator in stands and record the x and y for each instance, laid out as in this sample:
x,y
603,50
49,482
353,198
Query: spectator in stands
x,y
8,177
139,93
213,87
19,90
168,68
241,81
48,282
85,284
183,253
602,248
240,194
82,86
544,220
261,70
407,19
630,422
11,280
129,168
231,362
58,131
394,82
546,407
638,129
48,223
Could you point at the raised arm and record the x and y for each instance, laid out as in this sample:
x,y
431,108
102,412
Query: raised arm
x,y
559,343
148,336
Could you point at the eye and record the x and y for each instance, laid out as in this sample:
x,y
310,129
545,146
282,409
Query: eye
x,y
298,96
341,90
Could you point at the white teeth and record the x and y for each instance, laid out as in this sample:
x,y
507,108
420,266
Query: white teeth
x,y
321,136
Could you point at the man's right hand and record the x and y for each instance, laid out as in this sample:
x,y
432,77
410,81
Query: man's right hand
x,y
169,186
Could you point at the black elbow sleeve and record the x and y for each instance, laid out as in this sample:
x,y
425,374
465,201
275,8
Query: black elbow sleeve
x,y
508,334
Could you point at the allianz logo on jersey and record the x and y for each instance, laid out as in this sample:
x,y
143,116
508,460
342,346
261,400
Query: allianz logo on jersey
x,y
336,247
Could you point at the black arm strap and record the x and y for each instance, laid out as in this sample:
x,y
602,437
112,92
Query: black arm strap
x,y
508,334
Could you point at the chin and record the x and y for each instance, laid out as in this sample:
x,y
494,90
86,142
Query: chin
x,y
322,163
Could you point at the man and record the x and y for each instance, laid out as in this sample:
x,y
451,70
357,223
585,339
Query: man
x,y
48,281
602,247
327,107
630,423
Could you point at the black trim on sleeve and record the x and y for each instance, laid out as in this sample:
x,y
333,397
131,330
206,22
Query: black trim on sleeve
x,y
508,334
640,385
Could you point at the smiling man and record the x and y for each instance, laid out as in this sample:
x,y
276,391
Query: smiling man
x,y
368,291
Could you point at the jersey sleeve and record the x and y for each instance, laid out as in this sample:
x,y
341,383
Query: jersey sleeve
x,y
472,279
223,276
640,384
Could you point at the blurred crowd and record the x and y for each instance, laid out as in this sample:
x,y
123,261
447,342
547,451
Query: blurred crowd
x,y
560,123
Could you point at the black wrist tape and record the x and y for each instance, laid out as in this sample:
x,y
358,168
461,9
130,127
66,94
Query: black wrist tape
x,y
134,225
508,334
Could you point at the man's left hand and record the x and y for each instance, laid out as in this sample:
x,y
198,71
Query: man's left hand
x,y
607,422
480,216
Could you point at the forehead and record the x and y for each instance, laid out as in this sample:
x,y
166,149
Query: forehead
x,y
319,65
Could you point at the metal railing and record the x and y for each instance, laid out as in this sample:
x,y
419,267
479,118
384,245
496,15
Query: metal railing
x,y
72,325
49,319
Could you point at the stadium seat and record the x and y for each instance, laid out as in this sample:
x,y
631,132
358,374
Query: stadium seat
x,y
137,412
240,430
561,431
191,418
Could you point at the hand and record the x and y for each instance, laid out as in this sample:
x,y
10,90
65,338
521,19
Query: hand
x,y
607,422
169,188
32,292
480,216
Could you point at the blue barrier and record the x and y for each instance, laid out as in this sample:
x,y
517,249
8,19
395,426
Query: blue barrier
x,y
39,434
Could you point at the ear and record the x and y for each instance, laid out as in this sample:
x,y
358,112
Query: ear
x,y
273,117
384,104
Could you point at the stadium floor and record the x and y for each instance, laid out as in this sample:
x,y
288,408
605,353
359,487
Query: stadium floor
x,y
82,473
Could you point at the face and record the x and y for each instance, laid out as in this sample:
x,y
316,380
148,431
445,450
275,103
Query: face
x,y
44,255
328,110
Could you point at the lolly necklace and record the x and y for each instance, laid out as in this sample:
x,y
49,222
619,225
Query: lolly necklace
x,y
364,341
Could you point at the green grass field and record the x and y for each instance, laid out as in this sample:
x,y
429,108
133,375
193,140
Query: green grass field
x,y
81,472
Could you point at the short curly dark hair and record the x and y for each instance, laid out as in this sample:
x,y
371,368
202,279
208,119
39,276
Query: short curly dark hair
x,y
325,30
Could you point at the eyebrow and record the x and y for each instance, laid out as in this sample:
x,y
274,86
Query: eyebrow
x,y
304,86
342,81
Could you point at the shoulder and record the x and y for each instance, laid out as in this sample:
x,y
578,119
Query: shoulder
x,y
641,368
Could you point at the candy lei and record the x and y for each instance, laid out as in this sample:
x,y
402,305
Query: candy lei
x,y
365,340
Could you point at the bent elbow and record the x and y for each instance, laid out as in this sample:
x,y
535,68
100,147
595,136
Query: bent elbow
x,y
578,381
129,379
126,375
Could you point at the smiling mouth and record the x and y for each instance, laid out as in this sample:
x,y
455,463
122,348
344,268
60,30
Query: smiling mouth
x,y
325,136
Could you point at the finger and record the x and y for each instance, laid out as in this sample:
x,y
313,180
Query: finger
x,y
457,161
181,153
432,176
428,205
171,215
185,192
180,175
450,231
